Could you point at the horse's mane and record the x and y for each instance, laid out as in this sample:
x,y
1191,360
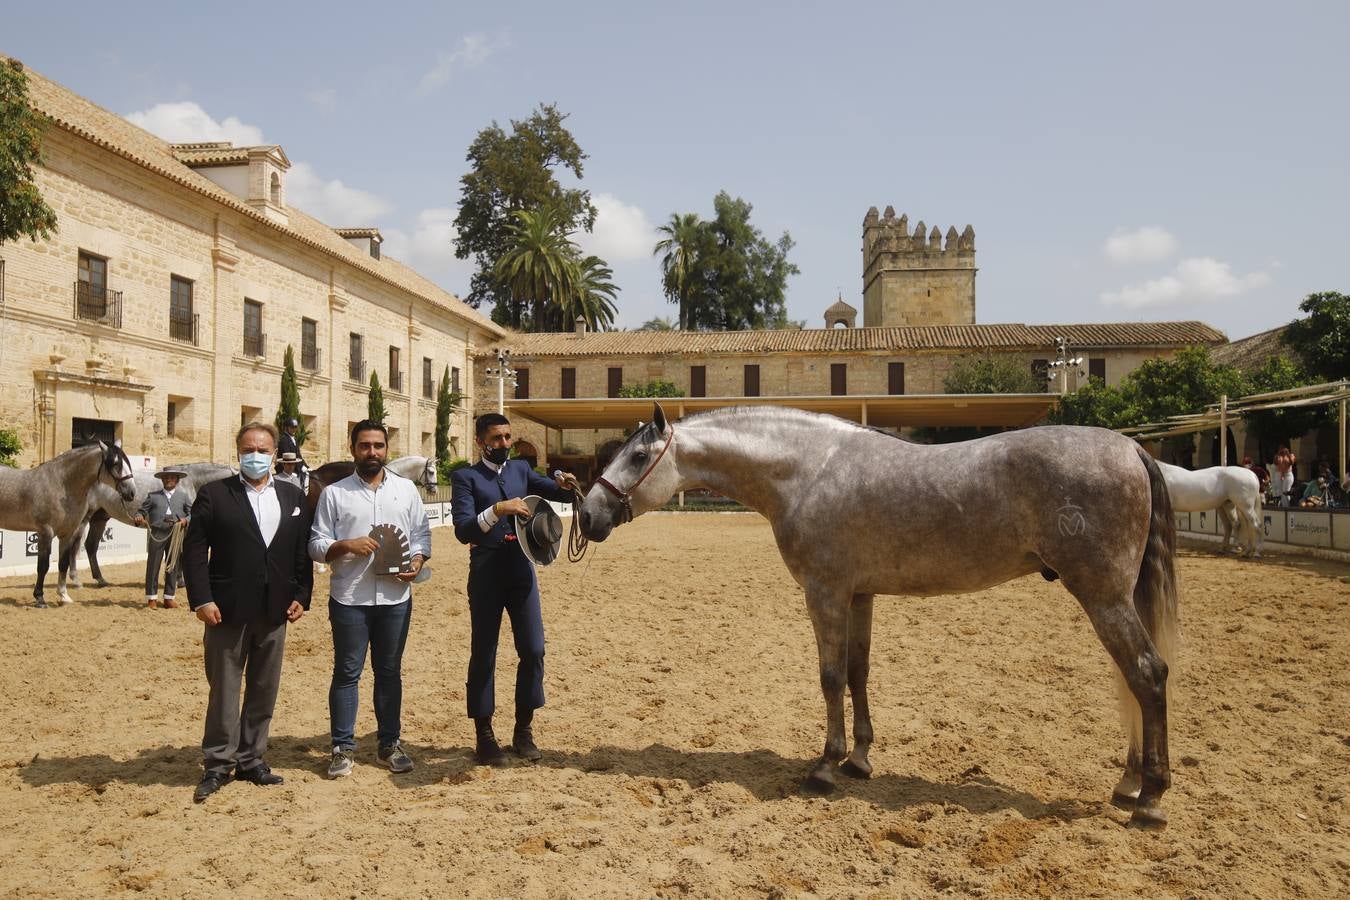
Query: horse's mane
x,y
780,412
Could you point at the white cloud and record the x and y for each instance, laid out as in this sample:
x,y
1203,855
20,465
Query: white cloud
x,y
622,231
325,98
186,122
1143,245
473,50
429,248
1195,279
333,202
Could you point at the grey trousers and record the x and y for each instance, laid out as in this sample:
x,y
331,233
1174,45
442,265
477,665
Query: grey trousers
x,y
252,652
154,558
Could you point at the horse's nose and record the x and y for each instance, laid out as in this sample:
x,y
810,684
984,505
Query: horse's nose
x,y
584,518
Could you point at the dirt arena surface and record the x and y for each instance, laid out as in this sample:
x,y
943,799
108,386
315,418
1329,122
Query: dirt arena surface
x,y
684,708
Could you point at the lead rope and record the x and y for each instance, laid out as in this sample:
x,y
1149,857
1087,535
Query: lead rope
x,y
577,543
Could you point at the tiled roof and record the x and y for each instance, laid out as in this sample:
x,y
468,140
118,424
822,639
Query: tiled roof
x,y
839,307
219,153
110,131
358,232
853,340
1252,352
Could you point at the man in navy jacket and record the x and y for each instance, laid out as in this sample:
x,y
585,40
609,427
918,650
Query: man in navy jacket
x,y
485,499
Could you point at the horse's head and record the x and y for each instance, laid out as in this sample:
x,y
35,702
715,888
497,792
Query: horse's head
x,y
429,480
641,476
118,470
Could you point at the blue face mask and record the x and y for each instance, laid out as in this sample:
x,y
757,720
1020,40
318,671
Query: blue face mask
x,y
255,465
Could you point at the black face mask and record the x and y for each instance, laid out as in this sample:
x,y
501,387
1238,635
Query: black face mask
x,y
497,455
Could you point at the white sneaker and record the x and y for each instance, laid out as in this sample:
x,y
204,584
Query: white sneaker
x,y
341,764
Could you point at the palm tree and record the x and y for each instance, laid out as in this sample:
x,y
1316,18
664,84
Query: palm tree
x,y
593,297
540,266
680,248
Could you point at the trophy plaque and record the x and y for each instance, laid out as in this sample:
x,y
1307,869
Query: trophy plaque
x,y
394,555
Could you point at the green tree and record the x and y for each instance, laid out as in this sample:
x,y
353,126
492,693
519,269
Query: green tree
x,y
1322,338
1186,383
445,405
375,402
1276,427
737,278
593,296
10,445
660,323
678,251
289,407
537,268
509,172
22,209
990,373
652,389
1096,403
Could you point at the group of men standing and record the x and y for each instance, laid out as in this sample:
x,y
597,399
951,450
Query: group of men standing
x,y
248,561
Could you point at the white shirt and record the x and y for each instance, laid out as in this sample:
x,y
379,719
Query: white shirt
x,y
487,518
348,509
266,507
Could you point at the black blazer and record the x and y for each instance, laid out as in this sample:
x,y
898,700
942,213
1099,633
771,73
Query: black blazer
x,y
225,561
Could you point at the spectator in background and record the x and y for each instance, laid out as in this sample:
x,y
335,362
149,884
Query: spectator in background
x,y
1284,474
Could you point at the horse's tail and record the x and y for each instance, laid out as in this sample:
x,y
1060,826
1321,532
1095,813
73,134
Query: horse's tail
x,y
1155,595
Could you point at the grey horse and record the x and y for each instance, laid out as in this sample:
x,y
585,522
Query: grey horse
x,y
106,504
857,512
53,500
421,469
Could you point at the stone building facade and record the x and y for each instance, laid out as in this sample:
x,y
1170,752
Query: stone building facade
x,y
883,361
160,312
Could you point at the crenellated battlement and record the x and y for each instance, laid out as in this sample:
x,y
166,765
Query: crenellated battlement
x,y
918,277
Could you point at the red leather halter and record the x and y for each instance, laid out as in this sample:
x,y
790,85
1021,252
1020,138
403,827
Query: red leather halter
x,y
625,497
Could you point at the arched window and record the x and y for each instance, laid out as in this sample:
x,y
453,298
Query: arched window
x,y
276,189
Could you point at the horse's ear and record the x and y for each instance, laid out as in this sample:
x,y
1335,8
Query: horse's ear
x,y
658,417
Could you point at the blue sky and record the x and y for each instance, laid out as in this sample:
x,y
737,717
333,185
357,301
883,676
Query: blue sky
x,y
1119,162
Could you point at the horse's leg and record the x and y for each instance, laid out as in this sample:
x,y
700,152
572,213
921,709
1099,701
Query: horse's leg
x,y
829,618
1145,674
65,559
73,569
859,663
1227,515
97,525
44,563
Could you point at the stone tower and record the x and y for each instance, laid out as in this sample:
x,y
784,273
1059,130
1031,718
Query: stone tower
x,y
913,279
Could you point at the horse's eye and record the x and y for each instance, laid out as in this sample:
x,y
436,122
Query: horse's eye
x,y
640,456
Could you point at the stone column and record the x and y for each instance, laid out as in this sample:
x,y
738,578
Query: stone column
x,y
227,330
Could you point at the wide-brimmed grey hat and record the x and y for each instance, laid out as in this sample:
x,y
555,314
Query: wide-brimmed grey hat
x,y
176,471
540,535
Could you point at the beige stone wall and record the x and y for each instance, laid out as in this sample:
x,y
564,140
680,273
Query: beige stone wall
x,y
58,368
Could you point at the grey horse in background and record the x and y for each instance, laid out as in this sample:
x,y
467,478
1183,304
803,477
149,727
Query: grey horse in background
x,y
857,512
421,469
53,500
106,504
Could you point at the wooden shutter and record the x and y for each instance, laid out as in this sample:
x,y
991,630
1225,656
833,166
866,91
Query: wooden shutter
x,y
698,381
615,380
838,379
522,384
1097,368
752,381
569,382
895,378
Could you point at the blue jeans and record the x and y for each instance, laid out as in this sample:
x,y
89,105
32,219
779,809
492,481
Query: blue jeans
x,y
384,629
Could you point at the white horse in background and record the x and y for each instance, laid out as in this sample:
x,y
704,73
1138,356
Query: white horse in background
x,y
1233,492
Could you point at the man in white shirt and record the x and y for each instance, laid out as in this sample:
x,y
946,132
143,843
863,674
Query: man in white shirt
x,y
368,609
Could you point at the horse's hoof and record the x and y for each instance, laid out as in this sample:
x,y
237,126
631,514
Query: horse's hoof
x,y
1124,800
66,600
855,770
102,583
817,785
40,604
1149,817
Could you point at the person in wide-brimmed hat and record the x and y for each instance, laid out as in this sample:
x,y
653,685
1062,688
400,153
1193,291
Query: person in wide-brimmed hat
x,y
162,512
288,463
288,444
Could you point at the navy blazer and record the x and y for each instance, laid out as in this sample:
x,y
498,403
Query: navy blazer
x,y
225,561
475,488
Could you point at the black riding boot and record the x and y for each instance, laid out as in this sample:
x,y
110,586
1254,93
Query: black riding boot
x,y
487,751
522,740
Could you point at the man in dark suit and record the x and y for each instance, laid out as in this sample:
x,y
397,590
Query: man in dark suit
x,y
247,568
484,499
287,443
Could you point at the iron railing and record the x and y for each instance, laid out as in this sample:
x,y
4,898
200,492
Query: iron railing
x,y
183,326
311,359
255,343
396,380
356,370
95,303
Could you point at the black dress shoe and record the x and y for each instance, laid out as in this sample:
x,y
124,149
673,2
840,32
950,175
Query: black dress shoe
x,y
522,743
259,775
210,783
489,753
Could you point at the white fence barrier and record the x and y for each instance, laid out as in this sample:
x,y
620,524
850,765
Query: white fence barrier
x,y
1325,529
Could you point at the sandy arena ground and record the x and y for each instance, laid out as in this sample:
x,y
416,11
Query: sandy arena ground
x,y
683,709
